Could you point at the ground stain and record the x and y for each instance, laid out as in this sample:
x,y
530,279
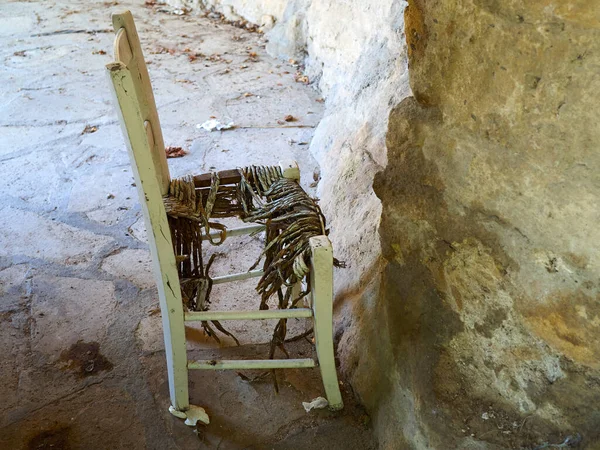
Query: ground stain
x,y
57,439
85,359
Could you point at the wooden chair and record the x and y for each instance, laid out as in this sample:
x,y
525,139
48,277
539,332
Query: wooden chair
x,y
141,128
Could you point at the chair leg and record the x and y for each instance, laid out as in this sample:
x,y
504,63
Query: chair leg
x,y
322,304
175,346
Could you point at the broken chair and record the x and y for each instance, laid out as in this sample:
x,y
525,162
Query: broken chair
x,y
180,214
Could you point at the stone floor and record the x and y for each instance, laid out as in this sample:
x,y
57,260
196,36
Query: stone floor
x,y
81,353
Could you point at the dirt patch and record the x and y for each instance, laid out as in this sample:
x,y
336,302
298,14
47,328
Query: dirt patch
x,y
57,438
84,359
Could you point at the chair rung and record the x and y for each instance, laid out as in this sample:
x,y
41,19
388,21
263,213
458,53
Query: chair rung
x,y
237,276
296,313
231,232
213,364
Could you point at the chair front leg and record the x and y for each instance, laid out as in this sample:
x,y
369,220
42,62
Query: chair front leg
x,y
321,279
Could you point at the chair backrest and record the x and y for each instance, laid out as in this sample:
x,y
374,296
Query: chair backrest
x,y
128,51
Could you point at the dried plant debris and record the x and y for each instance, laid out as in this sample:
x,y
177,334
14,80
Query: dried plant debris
x,y
89,129
162,7
301,78
242,23
252,57
175,152
288,118
161,49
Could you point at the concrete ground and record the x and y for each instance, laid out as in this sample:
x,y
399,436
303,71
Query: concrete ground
x,y
81,354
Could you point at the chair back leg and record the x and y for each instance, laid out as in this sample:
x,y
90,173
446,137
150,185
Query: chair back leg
x,y
159,236
141,128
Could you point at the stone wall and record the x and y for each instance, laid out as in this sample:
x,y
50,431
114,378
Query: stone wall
x,y
490,224
469,316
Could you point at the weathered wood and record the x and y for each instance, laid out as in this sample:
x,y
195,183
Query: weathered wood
x,y
268,314
159,237
290,169
141,127
129,51
251,364
233,232
121,47
321,282
231,176
237,276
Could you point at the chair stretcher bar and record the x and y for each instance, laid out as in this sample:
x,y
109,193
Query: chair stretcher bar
x,y
294,313
212,364
231,232
237,276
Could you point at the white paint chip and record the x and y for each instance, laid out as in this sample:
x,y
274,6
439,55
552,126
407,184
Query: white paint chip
x,y
317,403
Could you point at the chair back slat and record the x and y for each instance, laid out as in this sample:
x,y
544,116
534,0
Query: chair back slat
x,y
128,51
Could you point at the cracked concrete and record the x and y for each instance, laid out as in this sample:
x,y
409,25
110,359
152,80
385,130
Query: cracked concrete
x,y
81,361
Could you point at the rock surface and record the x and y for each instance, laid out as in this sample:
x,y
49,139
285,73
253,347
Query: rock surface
x,y
475,323
489,226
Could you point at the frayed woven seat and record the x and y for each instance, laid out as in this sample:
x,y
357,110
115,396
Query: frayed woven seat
x,y
262,196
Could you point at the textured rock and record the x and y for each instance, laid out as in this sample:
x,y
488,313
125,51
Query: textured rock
x,y
489,227
84,306
105,199
355,54
138,230
28,234
132,265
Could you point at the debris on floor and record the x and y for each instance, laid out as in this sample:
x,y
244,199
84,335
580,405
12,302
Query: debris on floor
x,y
215,125
195,414
89,129
175,152
301,78
317,403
